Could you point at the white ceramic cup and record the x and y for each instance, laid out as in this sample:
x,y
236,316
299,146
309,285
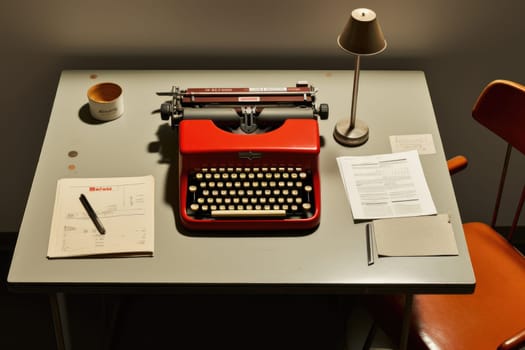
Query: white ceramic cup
x,y
105,101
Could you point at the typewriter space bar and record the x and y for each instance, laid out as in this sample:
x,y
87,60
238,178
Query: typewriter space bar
x,y
247,213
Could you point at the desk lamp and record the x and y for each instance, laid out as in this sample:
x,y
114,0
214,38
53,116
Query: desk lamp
x,y
362,36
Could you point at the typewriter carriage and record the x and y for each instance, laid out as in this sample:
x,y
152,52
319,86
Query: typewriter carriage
x,y
245,109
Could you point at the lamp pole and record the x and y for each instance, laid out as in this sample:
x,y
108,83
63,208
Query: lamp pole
x,y
354,93
352,132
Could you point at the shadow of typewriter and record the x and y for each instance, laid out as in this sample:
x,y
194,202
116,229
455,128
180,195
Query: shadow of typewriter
x,y
167,147
251,233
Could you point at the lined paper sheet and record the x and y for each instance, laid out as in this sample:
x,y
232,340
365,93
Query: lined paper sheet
x,y
124,205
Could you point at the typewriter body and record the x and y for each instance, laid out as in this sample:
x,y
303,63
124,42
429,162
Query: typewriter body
x,y
248,157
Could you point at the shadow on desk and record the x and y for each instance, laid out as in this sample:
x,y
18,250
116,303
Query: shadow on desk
x,y
167,146
85,115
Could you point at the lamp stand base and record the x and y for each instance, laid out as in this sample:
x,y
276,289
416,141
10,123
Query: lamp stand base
x,y
351,137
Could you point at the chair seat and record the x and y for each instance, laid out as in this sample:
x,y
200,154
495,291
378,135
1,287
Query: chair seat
x,y
457,321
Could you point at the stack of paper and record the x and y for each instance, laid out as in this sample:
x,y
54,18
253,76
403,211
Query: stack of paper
x,y
392,190
124,206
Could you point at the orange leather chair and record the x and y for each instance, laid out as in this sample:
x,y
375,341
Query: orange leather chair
x,y
493,317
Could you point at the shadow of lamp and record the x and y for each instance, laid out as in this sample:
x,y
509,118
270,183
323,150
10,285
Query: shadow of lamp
x,y
361,36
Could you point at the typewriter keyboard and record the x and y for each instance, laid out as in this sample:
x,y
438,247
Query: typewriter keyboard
x,y
241,193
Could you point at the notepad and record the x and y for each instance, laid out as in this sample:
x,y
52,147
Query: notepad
x,y
124,205
415,236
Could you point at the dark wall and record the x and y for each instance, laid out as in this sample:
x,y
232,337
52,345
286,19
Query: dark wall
x,y
461,46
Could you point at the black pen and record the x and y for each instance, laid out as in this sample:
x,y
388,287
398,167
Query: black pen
x,y
369,244
93,216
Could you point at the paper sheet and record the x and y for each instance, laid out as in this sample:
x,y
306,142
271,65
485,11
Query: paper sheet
x,y
124,205
415,236
386,185
422,143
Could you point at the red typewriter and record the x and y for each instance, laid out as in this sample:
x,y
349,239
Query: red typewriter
x,y
248,157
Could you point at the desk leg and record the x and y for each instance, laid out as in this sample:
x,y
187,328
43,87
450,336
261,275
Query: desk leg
x,y
112,310
407,315
60,320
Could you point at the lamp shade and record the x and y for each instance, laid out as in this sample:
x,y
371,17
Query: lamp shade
x,y
362,34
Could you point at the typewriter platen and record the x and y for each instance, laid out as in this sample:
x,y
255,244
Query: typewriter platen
x,y
248,157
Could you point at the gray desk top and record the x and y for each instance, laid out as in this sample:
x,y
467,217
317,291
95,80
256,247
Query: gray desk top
x,y
330,259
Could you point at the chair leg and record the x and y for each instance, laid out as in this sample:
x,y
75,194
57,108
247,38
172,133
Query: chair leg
x,y
407,316
370,337
60,320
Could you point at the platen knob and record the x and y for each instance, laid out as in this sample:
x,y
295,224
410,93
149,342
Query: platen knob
x,y
323,111
166,111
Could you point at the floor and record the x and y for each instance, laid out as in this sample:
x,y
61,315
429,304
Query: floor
x,y
186,322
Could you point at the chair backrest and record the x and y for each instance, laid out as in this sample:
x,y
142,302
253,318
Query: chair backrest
x,y
501,108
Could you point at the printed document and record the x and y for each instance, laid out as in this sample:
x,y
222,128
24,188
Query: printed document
x,y
124,206
386,185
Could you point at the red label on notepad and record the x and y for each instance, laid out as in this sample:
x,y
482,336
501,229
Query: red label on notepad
x,y
100,188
